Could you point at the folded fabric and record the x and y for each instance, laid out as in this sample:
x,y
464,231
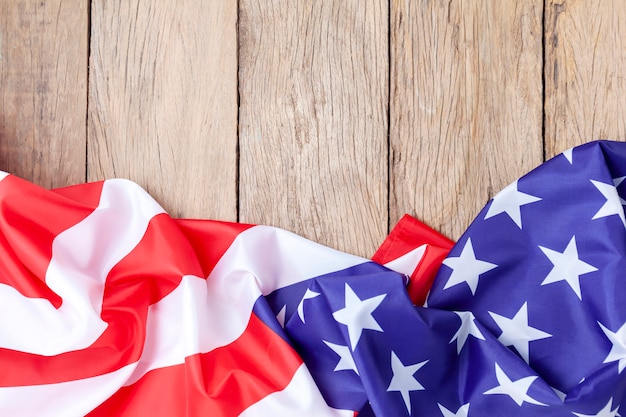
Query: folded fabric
x,y
112,308
416,250
541,272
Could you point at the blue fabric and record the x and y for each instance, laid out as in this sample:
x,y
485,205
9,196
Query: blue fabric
x,y
527,316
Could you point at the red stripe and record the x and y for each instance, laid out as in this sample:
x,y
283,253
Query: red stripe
x,y
152,270
84,194
210,239
30,219
147,274
220,383
407,235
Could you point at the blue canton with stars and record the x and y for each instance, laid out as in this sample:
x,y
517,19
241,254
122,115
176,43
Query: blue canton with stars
x,y
526,316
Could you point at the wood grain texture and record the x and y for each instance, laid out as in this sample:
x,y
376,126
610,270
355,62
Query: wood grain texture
x,y
163,101
43,90
585,76
313,119
465,106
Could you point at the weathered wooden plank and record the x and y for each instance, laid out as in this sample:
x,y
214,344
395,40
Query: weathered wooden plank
x,y
465,106
585,78
43,90
313,119
163,101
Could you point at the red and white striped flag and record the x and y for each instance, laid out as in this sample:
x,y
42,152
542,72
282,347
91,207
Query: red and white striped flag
x,y
110,307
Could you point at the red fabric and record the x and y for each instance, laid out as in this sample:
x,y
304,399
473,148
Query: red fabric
x,y
223,382
407,235
22,233
210,239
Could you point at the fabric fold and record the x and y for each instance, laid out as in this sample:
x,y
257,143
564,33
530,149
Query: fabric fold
x,y
108,306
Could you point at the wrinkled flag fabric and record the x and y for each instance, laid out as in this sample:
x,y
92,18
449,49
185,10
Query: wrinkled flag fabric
x,y
526,315
109,307
538,286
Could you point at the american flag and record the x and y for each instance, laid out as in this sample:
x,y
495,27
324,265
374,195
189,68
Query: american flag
x,y
110,307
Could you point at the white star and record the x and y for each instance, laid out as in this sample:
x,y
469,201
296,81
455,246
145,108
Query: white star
x,y
616,183
403,379
517,390
307,296
466,268
281,316
612,205
461,412
517,333
567,266
346,361
468,327
357,315
618,350
509,201
559,394
605,412
568,154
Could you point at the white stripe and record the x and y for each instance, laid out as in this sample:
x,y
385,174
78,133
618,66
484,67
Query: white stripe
x,y
65,399
300,398
198,316
278,258
82,257
3,175
202,315
407,263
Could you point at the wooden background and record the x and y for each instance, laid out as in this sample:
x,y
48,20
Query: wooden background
x,y
330,118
